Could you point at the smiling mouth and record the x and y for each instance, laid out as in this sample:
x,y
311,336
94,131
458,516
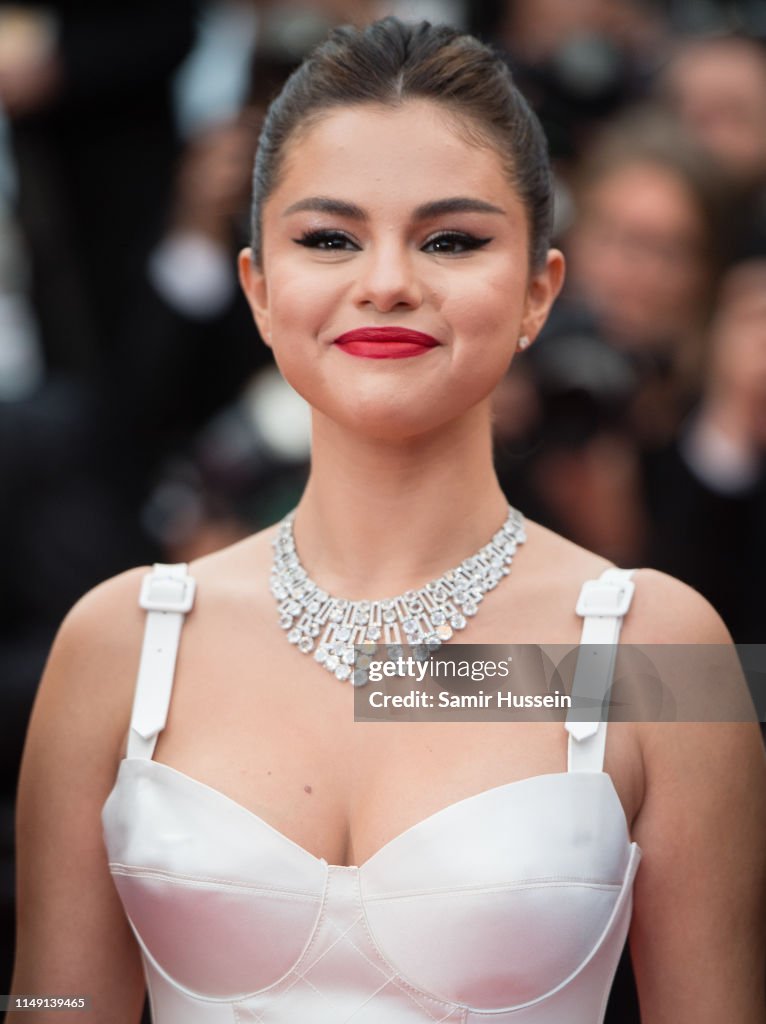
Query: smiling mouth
x,y
385,342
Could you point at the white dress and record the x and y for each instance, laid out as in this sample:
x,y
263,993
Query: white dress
x,y
508,907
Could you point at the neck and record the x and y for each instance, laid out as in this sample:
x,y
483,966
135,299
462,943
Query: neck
x,y
378,518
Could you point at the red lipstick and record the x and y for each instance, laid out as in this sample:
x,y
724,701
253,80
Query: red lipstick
x,y
385,342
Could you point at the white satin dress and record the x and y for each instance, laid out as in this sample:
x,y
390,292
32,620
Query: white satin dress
x,y
508,907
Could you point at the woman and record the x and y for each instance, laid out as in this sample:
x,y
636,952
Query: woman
x,y
278,860
642,263
644,255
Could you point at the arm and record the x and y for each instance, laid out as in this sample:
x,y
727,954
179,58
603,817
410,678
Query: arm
x,y
72,934
697,938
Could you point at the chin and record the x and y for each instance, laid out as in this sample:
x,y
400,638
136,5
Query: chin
x,y
380,407
397,422
385,422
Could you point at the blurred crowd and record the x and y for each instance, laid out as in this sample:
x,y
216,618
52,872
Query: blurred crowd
x,y
141,417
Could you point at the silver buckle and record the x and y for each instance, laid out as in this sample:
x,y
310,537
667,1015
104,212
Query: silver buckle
x,y
166,593
600,597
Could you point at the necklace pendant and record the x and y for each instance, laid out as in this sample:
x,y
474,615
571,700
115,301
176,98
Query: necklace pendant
x,y
343,636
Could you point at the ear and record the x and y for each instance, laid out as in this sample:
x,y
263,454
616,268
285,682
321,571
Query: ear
x,y
544,285
253,282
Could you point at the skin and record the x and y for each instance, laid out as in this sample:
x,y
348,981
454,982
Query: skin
x,y
637,255
718,88
735,400
402,469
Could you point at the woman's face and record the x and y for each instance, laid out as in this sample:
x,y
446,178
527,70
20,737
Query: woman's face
x,y
388,218
637,254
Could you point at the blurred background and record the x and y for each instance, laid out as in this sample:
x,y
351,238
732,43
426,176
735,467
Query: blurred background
x,y
141,417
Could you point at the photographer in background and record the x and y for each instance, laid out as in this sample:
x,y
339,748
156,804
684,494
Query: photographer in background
x,y
706,492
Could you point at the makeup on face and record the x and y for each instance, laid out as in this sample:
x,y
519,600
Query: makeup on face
x,y
393,237
385,342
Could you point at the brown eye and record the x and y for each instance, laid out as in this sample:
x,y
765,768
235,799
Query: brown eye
x,y
326,241
454,242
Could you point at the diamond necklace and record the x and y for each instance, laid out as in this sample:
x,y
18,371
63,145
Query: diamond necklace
x,y
330,626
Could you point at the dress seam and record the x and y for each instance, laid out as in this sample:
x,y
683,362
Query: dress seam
x,y
479,889
178,878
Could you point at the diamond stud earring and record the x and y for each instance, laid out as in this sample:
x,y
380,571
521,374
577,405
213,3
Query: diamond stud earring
x,y
523,341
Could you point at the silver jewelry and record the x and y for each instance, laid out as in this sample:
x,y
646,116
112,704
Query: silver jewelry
x,y
328,626
523,341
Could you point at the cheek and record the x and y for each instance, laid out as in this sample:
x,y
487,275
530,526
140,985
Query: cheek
x,y
486,319
692,281
295,309
300,306
480,314
299,301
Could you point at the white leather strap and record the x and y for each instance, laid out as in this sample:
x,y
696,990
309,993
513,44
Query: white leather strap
x,y
167,594
602,603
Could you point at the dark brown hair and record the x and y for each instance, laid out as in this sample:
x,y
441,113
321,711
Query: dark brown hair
x,y
390,62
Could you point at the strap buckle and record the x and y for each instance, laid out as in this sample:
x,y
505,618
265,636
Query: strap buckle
x,y
601,597
166,593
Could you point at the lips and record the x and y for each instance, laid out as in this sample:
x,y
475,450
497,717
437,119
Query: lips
x,y
385,342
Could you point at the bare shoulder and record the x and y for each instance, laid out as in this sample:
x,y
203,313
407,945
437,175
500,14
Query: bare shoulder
x,y
91,669
554,568
663,609
92,664
100,614
244,564
106,625
81,709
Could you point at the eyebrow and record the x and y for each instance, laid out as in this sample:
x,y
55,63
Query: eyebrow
x,y
437,207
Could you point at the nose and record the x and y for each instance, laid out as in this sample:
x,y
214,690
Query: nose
x,y
387,279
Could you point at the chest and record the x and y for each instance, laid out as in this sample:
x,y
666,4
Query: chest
x,y
276,733
495,902
255,719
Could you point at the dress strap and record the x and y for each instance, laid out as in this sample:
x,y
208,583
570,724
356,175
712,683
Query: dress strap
x,y
167,594
602,603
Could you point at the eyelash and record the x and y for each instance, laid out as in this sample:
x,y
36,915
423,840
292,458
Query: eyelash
x,y
314,240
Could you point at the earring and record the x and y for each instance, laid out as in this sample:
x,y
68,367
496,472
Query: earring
x,y
523,341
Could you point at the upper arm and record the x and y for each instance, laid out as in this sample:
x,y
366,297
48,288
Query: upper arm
x,y
697,937
72,935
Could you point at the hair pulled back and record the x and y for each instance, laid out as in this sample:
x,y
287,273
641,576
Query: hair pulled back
x,y
391,61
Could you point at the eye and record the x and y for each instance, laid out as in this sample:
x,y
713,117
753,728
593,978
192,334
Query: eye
x,y
326,241
451,243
